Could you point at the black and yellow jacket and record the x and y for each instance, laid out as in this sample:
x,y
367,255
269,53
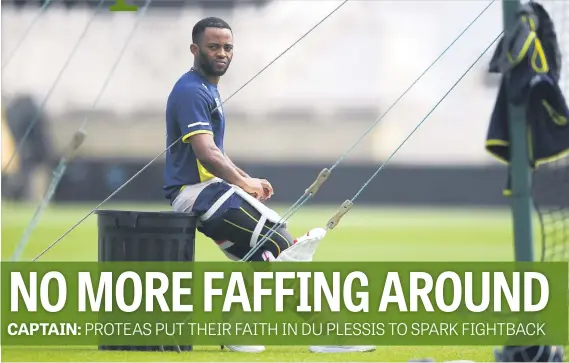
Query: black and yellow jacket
x,y
529,60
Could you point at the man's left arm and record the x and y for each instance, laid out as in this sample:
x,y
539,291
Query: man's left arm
x,y
244,174
265,182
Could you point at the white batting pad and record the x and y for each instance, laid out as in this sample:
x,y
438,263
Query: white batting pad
x,y
304,247
265,211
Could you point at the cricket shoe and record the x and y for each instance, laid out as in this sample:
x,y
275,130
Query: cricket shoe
x,y
245,348
341,348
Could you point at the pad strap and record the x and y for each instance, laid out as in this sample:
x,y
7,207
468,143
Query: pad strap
x,y
257,231
269,214
218,203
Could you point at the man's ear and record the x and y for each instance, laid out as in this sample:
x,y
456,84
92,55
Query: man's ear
x,y
194,49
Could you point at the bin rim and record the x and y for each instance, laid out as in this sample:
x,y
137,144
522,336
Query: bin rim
x,y
146,213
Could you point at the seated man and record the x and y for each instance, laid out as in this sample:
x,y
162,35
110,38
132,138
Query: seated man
x,y
200,178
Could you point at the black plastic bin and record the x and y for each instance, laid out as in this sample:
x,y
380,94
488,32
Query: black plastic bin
x,y
146,236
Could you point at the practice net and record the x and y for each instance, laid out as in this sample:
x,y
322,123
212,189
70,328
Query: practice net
x,y
551,180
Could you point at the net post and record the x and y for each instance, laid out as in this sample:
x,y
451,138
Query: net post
x,y
520,169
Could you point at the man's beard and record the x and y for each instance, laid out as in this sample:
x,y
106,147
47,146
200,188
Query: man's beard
x,y
208,67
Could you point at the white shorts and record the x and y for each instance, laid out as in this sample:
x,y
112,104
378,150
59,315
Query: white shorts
x,y
184,202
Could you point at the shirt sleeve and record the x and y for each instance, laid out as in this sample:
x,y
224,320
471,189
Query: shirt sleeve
x,y
193,113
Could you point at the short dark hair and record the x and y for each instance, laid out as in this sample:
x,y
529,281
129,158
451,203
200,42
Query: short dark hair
x,y
210,22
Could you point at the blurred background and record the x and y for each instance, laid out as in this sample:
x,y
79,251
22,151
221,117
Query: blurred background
x,y
296,118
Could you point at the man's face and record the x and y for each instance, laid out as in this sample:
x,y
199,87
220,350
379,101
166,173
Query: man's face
x,y
215,51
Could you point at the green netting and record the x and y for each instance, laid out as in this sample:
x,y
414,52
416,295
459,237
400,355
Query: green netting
x,y
551,180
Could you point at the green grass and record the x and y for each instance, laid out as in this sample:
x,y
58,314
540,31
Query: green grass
x,y
272,354
365,234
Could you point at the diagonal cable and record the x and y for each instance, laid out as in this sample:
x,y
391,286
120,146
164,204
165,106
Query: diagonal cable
x,y
37,115
26,33
176,141
424,119
76,142
283,52
411,86
307,196
142,13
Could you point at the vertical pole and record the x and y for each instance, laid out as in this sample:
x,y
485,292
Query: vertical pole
x,y
520,170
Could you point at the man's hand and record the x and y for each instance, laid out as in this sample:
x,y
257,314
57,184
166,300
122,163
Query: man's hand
x,y
254,187
267,188
261,189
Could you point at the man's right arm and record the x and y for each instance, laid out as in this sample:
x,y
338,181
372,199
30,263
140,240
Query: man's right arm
x,y
194,121
213,159
216,163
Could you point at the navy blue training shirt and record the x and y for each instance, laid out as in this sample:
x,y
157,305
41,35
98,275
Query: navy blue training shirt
x,y
189,112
